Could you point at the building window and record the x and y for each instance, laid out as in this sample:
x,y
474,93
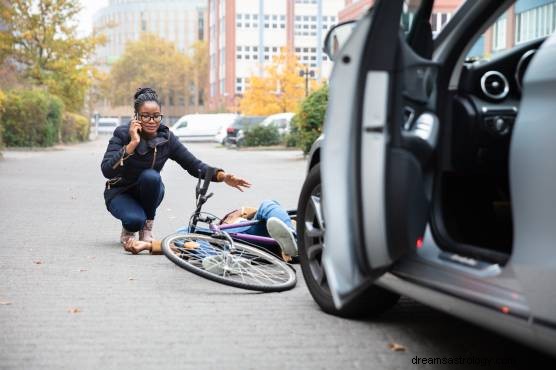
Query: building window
x,y
499,34
535,23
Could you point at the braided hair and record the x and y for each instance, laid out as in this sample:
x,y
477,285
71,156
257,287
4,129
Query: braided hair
x,y
142,95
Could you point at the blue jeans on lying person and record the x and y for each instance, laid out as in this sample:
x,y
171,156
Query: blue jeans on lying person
x,y
266,210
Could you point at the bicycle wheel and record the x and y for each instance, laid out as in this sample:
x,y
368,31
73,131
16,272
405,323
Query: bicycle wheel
x,y
243,267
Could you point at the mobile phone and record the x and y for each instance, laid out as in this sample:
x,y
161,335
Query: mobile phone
x,y
137,118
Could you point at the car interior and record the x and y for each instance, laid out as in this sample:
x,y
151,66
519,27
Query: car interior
x,y
472,208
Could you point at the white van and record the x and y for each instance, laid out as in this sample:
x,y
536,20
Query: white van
x,y
202,127
106,125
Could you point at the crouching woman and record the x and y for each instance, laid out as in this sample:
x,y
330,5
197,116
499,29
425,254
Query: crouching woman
x,y
135,155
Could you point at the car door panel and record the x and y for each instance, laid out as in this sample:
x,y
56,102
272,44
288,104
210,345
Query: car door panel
x,y
378,208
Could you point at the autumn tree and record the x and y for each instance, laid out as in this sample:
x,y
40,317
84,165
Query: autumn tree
x,y
154,62
199,73
40,37
280,89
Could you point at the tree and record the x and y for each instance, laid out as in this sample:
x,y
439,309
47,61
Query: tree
x,y
40,36
281,89
154,62
199,73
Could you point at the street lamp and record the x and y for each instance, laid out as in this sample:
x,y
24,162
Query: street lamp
x,y
307,73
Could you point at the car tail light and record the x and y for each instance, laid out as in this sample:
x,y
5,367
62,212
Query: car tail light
x,y
419,243
230,130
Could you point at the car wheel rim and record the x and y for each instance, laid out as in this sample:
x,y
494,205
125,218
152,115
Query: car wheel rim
x,y
314,238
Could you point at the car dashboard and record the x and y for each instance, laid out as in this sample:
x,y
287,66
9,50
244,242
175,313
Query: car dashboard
x,y
486,106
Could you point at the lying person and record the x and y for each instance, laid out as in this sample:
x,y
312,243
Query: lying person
x,y
274,222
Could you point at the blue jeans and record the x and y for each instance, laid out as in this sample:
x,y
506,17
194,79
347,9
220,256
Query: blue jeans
x,y
139,203
266,210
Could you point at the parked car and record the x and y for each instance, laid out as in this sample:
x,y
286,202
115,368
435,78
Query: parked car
x,y
435,177
236,132
106,125
201,127
281,121
222,133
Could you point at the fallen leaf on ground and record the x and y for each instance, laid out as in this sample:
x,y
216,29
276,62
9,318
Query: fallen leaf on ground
x,y
131,278
74,310
37,262
5,303
396,347
91,257
82,270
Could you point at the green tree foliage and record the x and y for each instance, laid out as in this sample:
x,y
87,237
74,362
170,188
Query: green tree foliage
x,y
2,100
154,62
41,36
31,118
307,124
262,136
75,128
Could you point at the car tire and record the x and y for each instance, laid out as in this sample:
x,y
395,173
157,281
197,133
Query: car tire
x,y
372,302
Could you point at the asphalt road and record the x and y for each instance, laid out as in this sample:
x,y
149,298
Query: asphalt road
x,y
70,297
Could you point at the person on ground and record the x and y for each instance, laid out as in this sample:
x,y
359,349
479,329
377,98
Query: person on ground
x,y
274,222
135,155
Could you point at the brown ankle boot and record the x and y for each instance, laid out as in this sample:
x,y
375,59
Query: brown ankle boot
x,y
146,233
125,236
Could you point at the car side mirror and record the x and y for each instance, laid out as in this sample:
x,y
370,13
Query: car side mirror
x,y
337,37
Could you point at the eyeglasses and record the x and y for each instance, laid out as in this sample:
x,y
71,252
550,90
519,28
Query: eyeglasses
x,y
146,118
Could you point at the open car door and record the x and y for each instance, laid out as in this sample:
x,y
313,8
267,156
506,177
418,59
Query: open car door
x,y
380,133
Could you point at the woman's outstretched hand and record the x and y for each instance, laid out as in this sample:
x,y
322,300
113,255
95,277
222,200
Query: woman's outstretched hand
x,y
233,181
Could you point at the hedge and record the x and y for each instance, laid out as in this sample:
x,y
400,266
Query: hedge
x,y
2,100
75,128
31,118
307,124
262,136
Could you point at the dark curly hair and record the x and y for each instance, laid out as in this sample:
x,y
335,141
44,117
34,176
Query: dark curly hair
x,y
144,94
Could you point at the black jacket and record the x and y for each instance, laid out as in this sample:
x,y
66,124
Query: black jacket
x,y
122,171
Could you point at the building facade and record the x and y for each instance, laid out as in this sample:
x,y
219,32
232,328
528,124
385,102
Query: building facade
x,y
179,21
245,35
182,22
524,21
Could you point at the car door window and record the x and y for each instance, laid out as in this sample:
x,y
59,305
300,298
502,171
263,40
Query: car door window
x,y
183,124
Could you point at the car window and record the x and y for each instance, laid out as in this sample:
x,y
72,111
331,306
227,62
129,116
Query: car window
x,y
524,21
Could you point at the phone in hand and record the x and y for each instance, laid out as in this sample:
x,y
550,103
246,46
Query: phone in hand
x,y
138,119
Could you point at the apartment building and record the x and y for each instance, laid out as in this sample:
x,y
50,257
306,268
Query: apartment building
x,y
245,35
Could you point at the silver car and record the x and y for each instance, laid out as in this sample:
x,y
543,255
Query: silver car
x,y
436,175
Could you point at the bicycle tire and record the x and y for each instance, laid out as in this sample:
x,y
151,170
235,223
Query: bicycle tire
x,y
244,262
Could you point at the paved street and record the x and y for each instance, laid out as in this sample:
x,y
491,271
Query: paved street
x,y
70,297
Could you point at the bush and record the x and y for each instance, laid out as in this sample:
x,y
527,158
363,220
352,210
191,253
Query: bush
x,y
75,128
31,118
2,99
307,124
262,136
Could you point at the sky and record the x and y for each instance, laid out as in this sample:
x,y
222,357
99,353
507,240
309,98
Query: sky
x,y
86,15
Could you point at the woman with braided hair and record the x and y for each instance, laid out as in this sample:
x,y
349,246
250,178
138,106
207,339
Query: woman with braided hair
x,y
132,163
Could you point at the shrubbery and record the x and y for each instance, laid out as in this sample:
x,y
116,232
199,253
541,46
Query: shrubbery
x,y
75,128
31,118
307,124
2,99
262,136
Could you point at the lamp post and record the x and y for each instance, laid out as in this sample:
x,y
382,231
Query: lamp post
x,y
307,73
